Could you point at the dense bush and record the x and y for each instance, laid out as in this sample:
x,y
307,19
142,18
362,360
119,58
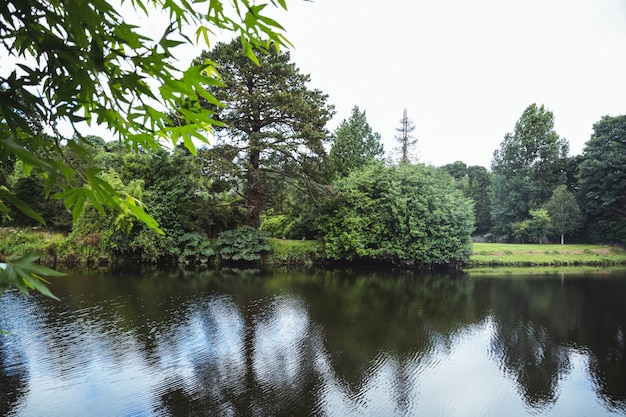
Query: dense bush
x,y
407,214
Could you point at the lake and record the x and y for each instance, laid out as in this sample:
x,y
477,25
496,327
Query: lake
x,y
321,343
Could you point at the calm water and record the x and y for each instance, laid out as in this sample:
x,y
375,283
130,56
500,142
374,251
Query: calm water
x,y
335,343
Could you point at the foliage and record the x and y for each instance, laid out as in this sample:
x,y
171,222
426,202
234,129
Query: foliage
x,y
526,168
478,189
273,124
242,244
26,275
295,252
16,243
354,144
533,228
602,179
411,215
539,223
475,182
195,247
457,169
85,62
564,211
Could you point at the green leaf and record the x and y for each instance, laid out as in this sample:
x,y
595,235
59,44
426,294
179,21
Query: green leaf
x,y
26,275
20,205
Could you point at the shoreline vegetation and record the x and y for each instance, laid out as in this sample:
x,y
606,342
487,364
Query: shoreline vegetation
x,y
57,252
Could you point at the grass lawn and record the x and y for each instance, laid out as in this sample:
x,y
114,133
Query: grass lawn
x,y
505,254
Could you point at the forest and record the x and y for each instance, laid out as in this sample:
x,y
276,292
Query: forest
x,y
243,153
273,170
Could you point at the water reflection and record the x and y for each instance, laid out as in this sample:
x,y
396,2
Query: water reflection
x,y
332,343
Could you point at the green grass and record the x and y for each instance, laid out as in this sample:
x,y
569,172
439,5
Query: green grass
x,y
506,254
295,252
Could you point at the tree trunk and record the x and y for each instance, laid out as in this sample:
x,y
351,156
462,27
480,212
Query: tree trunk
x,y
562,239
253,192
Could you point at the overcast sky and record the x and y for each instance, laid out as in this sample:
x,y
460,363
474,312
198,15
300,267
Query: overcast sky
x,y
464,70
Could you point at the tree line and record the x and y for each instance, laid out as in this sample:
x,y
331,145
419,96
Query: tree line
x,y
536,190
273,167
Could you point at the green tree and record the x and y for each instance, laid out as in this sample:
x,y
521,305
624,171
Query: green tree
x,y
526,168
354,144
457,169
84,62
539,223
564,212
602,180
406,140
478,189
273,122
406,214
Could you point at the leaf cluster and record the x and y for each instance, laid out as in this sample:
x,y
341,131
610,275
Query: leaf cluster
x,y
243,244
411,215
26,275
83,62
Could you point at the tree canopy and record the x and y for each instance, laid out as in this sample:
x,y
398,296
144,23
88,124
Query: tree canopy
x,y
406,214
564,211
527,167
272,122
354,144
85,62
602,180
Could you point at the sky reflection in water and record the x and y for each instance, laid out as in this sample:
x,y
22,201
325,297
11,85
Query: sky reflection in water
x,y
334,343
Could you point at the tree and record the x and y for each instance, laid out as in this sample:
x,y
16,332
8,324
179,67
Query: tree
x,y
602,180
405,139
526,168
457,169
539,223
478,189
354,144
84,62
563,211
407,214
274,124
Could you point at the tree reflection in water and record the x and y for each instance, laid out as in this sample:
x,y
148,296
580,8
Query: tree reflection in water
x,y
326,343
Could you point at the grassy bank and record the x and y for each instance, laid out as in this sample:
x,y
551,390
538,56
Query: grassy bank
x,y
55,249
529,255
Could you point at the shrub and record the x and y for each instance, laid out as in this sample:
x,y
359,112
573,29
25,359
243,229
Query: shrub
x,y
243,244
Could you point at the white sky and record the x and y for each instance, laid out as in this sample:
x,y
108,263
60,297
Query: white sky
x,y
464,70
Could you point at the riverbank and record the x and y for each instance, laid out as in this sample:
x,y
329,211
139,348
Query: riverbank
x,y
532,255
55,251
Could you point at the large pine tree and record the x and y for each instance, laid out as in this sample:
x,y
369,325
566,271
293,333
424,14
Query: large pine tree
x,y
273,123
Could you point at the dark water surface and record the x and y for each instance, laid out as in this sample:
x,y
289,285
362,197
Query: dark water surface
x,y
329,343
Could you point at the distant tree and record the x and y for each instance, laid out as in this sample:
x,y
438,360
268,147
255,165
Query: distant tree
x,y
539,223
457,169
526,168
406,140
478,189
602,180
564,212
406,214
272,122
354,144
534,227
